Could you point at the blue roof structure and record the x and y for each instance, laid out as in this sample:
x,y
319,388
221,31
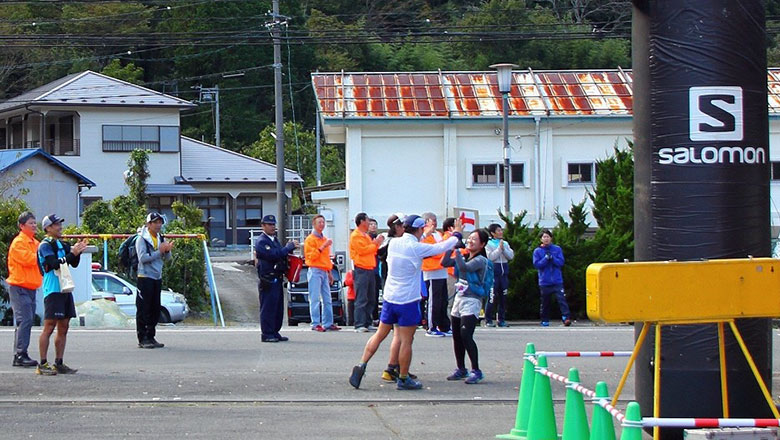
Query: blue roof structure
x,y
9,158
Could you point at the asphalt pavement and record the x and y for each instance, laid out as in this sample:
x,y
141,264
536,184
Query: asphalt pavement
x,y
225,383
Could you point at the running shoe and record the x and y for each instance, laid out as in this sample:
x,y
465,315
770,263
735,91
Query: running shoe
x,y
156,344
318,328
459,374
333,328
408,384
476,376
46,369
448,333
361,330
545,323
389,375
435,334
490,324
503,324
358,371
566,321
64,369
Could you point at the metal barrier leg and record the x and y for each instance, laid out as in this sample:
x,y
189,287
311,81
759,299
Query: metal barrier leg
x,y
639,341
724,387
753,367
657,379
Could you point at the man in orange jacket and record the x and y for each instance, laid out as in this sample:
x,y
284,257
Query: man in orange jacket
x,y
316,251
362,251
24,278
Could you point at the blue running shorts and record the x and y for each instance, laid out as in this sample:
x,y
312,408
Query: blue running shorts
x,y
405,315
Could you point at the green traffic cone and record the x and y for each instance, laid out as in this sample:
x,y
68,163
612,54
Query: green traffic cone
x,y
575,420
520,431
602,427
541,422
632,426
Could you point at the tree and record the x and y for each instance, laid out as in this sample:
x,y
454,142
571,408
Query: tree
x,y
136,176
301,155
129,72
613,205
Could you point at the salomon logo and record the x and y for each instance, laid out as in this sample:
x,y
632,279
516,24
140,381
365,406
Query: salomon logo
x,y
712,154
716,113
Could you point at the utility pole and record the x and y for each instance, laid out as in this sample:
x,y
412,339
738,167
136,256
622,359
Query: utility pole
x,y
319,163
211,94
281,198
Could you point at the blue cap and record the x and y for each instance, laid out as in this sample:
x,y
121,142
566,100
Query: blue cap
x,y
269,220
414,221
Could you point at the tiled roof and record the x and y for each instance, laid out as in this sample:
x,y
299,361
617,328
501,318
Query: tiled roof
x,y
475,94
91,88
202,162
9,158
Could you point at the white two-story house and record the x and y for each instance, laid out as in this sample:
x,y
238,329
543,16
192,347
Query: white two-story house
x,y
91,122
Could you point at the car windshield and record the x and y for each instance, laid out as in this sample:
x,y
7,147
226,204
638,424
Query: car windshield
x,y
105,283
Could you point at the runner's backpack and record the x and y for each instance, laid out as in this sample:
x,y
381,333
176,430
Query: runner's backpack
x,y
128,258
481,287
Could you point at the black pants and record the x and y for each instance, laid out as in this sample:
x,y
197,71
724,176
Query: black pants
x,y
437,303
271,307
463,341
365,289
147,308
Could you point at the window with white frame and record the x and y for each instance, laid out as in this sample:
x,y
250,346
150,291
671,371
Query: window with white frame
x,y
775,171
581,172
144,137
492,174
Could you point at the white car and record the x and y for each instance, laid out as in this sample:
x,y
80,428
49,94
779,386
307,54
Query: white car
x,y
173,305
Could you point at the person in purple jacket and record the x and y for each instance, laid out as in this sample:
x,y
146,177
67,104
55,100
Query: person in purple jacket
x,y
548,260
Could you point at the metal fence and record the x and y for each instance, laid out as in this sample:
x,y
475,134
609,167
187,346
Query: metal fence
x,y
298,227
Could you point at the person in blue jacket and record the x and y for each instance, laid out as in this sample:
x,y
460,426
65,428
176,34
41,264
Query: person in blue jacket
x,y
271,265
548,260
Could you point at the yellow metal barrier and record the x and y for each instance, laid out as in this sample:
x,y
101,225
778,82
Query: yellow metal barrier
x,y
683,291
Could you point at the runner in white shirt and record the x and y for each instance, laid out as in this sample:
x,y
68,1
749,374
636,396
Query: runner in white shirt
x,y
401,306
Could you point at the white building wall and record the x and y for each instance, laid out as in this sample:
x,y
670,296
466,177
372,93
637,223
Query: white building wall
x,y
50,190
420,166
105,168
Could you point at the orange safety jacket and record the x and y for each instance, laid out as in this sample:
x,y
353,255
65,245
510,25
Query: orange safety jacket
x,y
312,254
23,268
434,262
362,250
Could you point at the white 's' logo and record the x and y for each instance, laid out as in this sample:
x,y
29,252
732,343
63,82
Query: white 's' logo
x,y
716,113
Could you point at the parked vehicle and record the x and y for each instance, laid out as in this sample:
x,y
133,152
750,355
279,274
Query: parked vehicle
x,y
173,305
298,299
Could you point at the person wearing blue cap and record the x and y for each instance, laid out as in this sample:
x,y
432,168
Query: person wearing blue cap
x,y
271,266
401,306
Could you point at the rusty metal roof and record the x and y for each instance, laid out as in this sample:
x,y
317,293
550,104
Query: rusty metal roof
x,y
403,95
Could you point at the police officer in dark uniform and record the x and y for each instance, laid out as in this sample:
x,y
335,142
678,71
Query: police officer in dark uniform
x,y
271,266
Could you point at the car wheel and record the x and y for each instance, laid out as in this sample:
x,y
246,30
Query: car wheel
x,y
165,317
292,323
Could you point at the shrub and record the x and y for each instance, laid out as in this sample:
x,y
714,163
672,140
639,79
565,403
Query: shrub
x,y
613,209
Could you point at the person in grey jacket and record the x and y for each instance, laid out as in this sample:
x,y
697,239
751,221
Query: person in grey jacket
x,y
152,250
500,253
466,305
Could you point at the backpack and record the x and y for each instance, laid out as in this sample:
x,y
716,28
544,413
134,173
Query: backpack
x,y
481,287
128,258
